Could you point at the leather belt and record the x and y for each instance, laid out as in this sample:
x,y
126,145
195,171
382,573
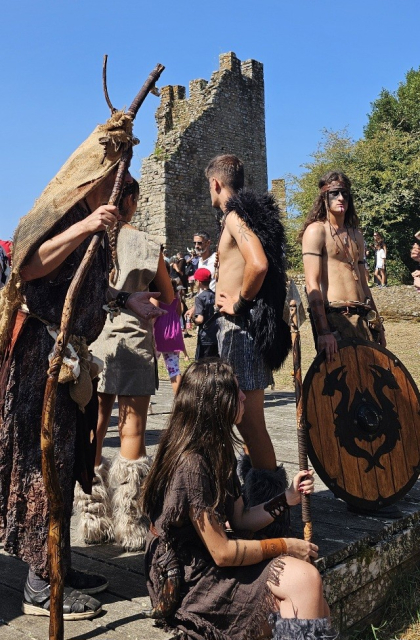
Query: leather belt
x,y
349,310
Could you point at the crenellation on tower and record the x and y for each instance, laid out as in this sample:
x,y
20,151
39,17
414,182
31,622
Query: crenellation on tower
x,y
224,115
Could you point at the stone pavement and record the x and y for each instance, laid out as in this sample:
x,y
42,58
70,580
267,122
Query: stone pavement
x,y
338,533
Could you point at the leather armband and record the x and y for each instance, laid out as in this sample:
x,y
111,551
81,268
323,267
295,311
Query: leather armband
x,y
242,306
121,299
273,547
277,506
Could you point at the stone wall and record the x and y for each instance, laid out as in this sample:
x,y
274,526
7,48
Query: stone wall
x,y
224,115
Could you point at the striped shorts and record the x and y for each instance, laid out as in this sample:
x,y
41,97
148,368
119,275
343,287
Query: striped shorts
x,y
236,345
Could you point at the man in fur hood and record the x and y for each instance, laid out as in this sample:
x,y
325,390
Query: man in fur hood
x,y
49,245
250,294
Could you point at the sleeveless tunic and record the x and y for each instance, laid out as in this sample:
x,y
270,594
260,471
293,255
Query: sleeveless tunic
x,y
126,344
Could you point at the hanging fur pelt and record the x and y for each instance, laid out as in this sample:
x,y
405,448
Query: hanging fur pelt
x,y
271,333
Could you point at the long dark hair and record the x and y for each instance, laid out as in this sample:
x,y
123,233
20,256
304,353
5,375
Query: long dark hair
x,y
319,209
130,189
202,419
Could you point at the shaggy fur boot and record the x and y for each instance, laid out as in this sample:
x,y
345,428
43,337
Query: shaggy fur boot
x,y
294,629
94,511
259,486
126,478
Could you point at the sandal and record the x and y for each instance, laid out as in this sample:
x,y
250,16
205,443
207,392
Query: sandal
x,y
76,605
85,582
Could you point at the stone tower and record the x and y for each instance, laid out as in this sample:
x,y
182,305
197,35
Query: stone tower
x,y
225,115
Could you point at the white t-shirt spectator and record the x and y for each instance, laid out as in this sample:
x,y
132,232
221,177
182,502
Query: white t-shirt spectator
x,y
380,258
208,263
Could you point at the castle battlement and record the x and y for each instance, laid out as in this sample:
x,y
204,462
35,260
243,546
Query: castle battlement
x,y
223,115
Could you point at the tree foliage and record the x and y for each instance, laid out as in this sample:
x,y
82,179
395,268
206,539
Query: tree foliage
x,y
384,168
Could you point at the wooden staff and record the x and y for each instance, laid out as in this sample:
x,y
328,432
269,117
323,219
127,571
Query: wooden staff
x,y
301,426
49,471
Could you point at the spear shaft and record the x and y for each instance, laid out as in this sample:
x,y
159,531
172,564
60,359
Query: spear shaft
x,y
49,471
301,426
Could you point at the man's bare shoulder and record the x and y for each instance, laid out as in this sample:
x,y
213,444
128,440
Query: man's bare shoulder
x,y
238,229
314,235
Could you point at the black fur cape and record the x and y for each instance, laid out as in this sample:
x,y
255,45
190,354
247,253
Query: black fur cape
x,y
271,333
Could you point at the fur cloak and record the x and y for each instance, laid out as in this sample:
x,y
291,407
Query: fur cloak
x,y
271,333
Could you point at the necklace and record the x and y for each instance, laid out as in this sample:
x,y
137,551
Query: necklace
x,y
346,246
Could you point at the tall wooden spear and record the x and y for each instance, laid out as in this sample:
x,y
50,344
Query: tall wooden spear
x,y
297,317
49,471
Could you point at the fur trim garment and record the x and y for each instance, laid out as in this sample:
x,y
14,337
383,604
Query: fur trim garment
x,y
126,478
271,333
295,629
260,486
94,511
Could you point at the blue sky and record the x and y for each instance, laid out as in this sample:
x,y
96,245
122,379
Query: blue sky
x,y
324,61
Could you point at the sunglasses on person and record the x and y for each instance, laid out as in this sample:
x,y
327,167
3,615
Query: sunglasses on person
x,y
334,193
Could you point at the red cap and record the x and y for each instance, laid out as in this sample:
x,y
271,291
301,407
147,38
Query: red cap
x,y
202,275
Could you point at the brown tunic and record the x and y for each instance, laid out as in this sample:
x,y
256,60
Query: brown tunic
x,y
217,603
23,501
126,343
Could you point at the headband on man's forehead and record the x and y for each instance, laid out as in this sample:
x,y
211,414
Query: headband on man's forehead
x,y
333,186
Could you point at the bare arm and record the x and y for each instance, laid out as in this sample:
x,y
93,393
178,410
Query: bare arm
x,y
313,243
415,252
49,257
257,517
163,282
365,287
235,553
256,263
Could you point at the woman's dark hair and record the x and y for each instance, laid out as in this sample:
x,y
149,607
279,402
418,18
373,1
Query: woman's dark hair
x,y
319,209
129,189
202,419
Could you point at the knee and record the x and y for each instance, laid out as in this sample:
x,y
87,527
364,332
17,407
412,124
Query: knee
x,y
308,579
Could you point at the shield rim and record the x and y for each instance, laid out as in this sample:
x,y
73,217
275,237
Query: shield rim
x,y
355,501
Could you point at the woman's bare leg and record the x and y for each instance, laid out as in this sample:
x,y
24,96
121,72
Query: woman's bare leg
x,y
175,383
299,591
132,425
106,402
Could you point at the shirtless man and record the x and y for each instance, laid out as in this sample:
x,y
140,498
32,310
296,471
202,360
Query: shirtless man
x,y
333,259
240,272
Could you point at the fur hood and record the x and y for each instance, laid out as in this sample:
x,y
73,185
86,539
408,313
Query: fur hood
x,y
270,331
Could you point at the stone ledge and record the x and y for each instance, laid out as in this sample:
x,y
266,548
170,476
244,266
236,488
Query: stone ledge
x,y
357,587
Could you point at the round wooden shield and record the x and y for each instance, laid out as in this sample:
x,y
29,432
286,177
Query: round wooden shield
x,y
363,418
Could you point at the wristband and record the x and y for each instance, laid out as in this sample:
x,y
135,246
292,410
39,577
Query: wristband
x,y
277,506
121,299
242,306
324,332
273,547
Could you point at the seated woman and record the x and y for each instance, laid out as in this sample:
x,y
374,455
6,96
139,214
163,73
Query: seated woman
x,y
204,582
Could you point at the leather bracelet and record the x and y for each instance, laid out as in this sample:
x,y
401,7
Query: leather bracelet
x,y
242,306
277,506
324,332
273,547
121,299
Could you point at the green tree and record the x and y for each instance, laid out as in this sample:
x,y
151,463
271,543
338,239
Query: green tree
x,y
399,110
